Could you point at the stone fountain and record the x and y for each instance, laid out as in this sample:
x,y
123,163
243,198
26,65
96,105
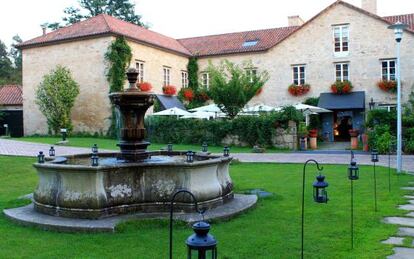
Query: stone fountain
x,y
134,180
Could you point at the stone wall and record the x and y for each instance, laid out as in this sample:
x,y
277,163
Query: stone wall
x,y
312,45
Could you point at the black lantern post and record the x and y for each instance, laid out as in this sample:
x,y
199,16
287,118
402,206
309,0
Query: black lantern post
x,y
201,241
226,151
319,193
353,174
95,149
41,157
374,159
201,244
95,159
52,152
371,104
204,147
189,156
64,133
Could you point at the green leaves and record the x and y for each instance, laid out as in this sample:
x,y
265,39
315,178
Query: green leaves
x,y
233,86
56,96
119,55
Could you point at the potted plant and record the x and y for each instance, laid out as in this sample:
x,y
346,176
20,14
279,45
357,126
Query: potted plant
x,y
298,90
169,90
388,85
354,138
341,87
313,138
145,86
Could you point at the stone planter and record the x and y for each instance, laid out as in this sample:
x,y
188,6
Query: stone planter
x,y
365,146
354,142
313,142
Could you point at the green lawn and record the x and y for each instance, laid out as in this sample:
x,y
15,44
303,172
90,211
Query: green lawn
x,y
271,230
105,143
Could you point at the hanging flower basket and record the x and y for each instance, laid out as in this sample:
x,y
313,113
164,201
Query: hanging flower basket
x,y
188,94
298,90
169,90
145,86
388,86
339,87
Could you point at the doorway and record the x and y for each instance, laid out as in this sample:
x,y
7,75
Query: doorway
x,y
343,123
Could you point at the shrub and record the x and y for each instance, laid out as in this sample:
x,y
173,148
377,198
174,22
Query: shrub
x,y
340,87
56,96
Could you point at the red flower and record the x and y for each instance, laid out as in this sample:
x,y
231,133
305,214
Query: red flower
x,y
188,94
169,90
297,90
387,85
145,86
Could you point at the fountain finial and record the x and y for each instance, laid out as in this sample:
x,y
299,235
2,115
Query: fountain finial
x,y
132,75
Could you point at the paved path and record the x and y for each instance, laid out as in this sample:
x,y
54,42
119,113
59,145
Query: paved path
x,y
23,148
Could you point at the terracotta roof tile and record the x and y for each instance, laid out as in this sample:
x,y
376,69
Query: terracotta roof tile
x,y
233,42
11,95
404,18
106,24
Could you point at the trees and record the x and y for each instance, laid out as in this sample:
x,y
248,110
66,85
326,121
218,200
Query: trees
x,y
122,9
232,86
56,96
10,63
6,65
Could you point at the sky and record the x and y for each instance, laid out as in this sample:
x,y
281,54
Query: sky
x,y
183,18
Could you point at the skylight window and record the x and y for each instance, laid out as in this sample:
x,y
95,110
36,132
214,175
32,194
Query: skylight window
x,y
250,43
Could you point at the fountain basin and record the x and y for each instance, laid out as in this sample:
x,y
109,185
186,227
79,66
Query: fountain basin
x,y
70,187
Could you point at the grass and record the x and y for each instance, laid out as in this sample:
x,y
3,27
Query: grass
x,y
271,230
105,143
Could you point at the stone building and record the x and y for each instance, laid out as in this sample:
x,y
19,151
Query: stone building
x,y
342,42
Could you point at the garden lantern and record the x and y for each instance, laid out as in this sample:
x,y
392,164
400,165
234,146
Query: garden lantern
x,y
319,193
52,151
371,104
204,147
95,159
201,244
95,148
353,174
353,170
190,156
40,157
226,151
169,148
374,156
64,133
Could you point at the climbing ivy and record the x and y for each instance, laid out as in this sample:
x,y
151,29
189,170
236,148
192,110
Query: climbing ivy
x,y
119,56
192,69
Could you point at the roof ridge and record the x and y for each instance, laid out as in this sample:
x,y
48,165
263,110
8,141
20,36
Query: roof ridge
x,y
106,22
237,32
397,15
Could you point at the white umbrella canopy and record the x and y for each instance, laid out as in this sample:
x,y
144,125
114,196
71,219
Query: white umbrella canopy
x,y
260,108
310,108
200,115
172,112
208,108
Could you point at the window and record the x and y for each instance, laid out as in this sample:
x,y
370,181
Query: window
x,y
205,80
167,78
250,43
342,72
299,75
388,69
140,68
341,39
184,79
252,73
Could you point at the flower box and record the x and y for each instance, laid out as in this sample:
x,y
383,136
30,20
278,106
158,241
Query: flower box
x,y
145,86
339,87
188,94
169,90
388,85
298,90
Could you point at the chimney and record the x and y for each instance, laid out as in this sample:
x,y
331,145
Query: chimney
x,y
295,20
44,27
369,6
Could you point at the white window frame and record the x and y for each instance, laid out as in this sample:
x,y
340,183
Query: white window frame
x,y
251,72
166,75
205,79
341,52
140,67
299,78
387,76
341,76
184,79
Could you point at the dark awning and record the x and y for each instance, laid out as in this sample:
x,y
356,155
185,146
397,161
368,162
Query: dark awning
x,y
168,101
354,100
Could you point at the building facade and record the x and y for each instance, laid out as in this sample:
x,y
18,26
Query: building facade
x,y
342,42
